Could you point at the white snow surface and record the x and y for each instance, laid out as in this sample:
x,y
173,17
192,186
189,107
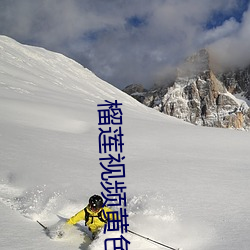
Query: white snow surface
x,y
187,186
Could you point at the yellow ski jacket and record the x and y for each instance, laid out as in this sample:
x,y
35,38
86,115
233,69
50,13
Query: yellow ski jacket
x,y
94,223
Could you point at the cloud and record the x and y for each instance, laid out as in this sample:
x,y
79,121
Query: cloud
x,y
233,49
228,28
124,42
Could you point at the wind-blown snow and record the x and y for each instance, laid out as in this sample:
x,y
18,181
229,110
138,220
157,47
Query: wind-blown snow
x,y
187,186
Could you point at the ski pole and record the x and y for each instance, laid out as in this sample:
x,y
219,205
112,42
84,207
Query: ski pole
x,y
159,243
45,228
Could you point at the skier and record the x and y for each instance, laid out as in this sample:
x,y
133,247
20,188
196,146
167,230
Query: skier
x,y
94,215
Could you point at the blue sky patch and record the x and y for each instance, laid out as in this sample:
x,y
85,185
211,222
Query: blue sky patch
x,y
136,21
219,17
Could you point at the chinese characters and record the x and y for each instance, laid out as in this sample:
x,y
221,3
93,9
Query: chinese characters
x,y
113,170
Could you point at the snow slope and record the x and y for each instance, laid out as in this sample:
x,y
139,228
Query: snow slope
x,y
187,186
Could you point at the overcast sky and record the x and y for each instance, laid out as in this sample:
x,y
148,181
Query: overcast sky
x,y
131,41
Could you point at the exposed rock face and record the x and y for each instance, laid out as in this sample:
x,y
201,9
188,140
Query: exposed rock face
x,y
237,81
199,97
137,91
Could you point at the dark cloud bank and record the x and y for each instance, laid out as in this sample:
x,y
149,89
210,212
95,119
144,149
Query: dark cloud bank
x,y
134,41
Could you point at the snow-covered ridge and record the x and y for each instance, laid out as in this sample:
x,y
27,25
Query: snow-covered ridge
x,y
34,66
33,74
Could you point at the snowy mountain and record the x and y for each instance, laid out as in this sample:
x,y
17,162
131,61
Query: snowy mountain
x,y
201,96
187,186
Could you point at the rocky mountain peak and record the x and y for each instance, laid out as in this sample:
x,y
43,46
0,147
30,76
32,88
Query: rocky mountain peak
x,y
200,96
196,64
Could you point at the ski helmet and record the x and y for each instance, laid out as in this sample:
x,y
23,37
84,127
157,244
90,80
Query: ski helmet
x,y
95,202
